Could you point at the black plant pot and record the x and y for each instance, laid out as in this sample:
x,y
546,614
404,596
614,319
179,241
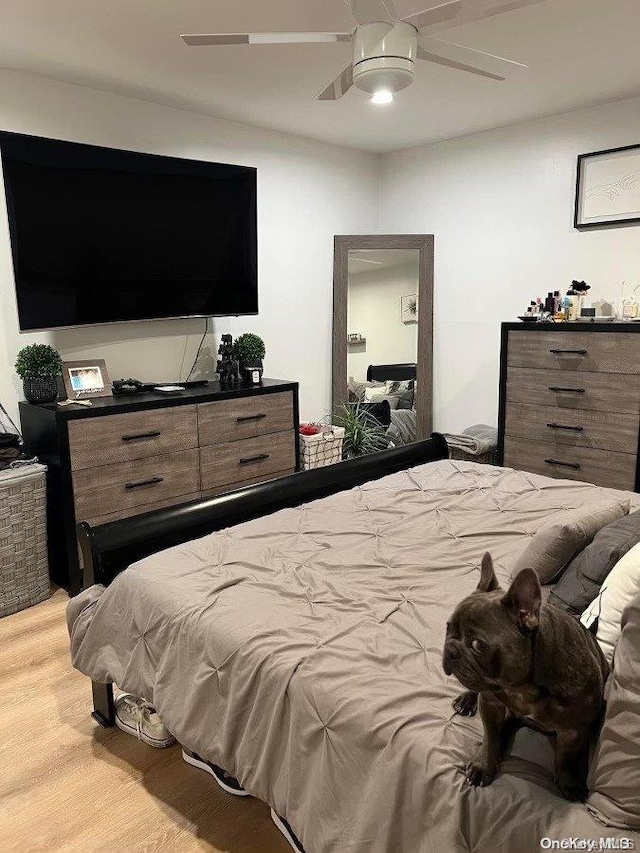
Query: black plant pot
x,y
252,371
41,390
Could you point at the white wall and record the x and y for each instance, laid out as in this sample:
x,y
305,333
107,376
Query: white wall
x,y
373,311
500,205
307,193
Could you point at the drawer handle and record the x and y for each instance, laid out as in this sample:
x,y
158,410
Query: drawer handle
x,y
259,458
137,435
574,465
563,426
244,418
568,351
572,390
152,482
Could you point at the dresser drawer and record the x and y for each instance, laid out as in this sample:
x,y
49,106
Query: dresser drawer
x,y
573,389
250,458
244,417
112,488
602,467
573,427
133,435
595,351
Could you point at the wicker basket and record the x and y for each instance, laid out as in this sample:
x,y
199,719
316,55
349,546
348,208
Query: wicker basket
x,y
321,449
488,458
24,570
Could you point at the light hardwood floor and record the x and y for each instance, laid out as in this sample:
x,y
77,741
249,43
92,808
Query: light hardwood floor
x,y
67,784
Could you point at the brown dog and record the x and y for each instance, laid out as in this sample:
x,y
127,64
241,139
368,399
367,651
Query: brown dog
x,y
530,665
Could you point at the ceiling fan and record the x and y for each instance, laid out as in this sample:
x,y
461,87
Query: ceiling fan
x,y
384,46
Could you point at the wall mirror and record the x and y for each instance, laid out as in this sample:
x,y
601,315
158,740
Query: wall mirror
x,y
383,329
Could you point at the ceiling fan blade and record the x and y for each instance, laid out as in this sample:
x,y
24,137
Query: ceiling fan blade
x,y
421,53
424,38
200,39
372,11
455,12
338,87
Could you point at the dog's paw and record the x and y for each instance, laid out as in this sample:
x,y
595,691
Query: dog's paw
x,y
478,775
466,704
572,789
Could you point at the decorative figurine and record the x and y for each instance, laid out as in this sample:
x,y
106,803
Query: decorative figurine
x,y
227,366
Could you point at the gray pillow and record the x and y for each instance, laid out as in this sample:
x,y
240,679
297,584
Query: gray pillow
x,y
586,573
404,389
556,543
614,777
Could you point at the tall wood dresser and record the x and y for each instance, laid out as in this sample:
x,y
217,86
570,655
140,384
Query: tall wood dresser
x,y
132,454
570,401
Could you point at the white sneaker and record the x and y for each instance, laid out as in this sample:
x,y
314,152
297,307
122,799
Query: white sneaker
x,y
136,716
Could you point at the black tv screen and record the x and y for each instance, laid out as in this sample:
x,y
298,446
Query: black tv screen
x,y
100,235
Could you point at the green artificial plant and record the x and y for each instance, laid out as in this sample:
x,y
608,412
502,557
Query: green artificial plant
x,y
362,432
38,361
249,348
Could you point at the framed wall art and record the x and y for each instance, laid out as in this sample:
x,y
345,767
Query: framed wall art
x,y
608,188
409,308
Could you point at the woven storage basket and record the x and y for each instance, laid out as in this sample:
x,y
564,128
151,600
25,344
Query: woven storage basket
x,y
321,449
24,570
488,458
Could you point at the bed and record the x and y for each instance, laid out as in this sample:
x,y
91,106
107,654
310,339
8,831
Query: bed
x,y
301,650
402,428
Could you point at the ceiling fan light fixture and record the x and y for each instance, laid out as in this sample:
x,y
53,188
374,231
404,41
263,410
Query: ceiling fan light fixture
x,y
382,96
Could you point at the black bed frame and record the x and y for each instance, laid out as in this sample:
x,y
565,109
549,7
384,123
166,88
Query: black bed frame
x,y
391,372
109,548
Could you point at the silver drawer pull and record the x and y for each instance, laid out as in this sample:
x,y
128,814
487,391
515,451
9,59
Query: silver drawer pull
x,y
568,351
138,435
259,458
152,482
574,465
572,390
564,426
244,418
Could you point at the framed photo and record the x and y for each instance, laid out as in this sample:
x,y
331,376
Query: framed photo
x,y
409,308
608,188
84,379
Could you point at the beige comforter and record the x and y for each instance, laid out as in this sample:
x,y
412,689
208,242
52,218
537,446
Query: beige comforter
x,y
301,652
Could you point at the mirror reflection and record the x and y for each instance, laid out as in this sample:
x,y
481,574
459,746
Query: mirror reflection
x,y
382,338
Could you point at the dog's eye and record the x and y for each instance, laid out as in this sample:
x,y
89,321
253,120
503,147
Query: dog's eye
x,y
478,645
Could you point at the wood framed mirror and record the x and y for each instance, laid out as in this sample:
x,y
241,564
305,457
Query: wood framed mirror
x,y
383,327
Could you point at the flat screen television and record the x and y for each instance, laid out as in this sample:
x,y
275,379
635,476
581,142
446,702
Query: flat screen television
x,y
100,235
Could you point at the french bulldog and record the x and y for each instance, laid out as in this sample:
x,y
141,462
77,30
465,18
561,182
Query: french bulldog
x,y
525,664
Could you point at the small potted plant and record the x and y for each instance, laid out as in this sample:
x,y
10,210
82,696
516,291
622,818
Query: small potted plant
x,y
249,350
363,434
39,366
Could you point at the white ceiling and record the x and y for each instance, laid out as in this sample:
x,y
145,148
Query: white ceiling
x,y
580,52
376,260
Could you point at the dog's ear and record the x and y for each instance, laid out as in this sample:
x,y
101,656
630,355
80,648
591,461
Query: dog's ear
x,y
488,580
524,597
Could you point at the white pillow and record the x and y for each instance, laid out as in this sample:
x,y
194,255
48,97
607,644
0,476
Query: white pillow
x,y
375,394
620,587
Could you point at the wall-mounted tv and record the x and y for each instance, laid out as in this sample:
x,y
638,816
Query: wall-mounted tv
x,y
100,235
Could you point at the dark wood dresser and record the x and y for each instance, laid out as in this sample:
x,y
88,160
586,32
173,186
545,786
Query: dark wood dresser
x,y
570,401
133,454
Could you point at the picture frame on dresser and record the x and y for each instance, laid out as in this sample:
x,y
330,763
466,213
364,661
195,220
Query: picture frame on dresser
x,y
127,456
608,188
569,401
86,379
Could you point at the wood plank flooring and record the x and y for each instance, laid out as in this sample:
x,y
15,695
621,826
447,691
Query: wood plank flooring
x,y
68,785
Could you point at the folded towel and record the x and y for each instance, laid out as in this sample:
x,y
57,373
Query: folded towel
x,y
474,440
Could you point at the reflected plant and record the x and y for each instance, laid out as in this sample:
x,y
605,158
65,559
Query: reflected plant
x,y
363,434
